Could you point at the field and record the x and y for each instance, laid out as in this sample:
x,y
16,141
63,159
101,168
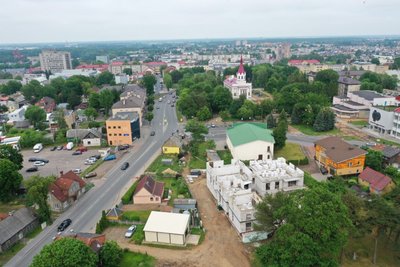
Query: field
x,y
308,130
130,259
199,161
136,215
225,155
290,151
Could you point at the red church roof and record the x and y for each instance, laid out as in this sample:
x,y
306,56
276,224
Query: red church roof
x,y
241,67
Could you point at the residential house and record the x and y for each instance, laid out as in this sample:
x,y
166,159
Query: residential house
x,y
94,241
123,128
16,226
148,191
339,157
65,190
114,214
237,188
377,182
250,141
133,99
17,118
88,137
48,104
10,104
172,145
347,84
391,155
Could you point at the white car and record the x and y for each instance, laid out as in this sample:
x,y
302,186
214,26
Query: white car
x,y
130,231
38,163
77,171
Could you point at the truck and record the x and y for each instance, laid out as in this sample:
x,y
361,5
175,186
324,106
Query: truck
x,y
37,148
70,145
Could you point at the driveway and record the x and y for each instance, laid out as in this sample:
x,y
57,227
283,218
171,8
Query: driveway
x,y
221,246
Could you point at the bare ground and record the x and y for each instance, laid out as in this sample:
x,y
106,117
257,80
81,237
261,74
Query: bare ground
x,y
221,246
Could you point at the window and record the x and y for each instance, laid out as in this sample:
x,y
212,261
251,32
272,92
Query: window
x,y
114,127
109,127
119,127
268,149
292,183
350,164
267,186
89,142
269,157
248,226
120,134
276,185
109,134
151,198
156,198
246,186
253,180
248,216
115,134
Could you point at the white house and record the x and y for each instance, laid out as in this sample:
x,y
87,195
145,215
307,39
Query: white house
x,y
88,137
238,85
237,188
17,115
167,228
250,141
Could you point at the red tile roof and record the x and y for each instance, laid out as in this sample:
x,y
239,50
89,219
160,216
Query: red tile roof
x,y
117,63
303,61
152,186
397,109
155,63
61,186
378,181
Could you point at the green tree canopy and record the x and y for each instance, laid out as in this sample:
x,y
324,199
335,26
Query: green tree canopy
x,y
38,189
148,81
36,115
374,159
110,254
105,77
10,179
204,114
167,80
13,155
197,129
66,252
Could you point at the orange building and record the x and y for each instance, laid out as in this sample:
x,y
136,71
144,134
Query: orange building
x,y
123,128
339,157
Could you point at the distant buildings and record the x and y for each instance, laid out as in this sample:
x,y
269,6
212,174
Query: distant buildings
x,y
121,78
104,59
250,141
347,85
123,128
337,157
238,85
55,61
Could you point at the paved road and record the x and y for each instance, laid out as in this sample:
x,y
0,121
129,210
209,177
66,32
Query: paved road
x,y
87,210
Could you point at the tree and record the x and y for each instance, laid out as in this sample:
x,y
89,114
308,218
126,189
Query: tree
x,y
375,61
271,123
3,109
374,159
324,121
75,63
127,71
66,252
204,114
279,134
149,116
106,100
105,77
10,179
110,254
221,99
330,79
94,101
91,113
148,82
38,189
59,116
315,229
224,114
167,80
197,129
13,155
35,115
283,118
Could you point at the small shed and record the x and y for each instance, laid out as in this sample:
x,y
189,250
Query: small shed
x,y
185,203
167,161
169,173
167,228
114,214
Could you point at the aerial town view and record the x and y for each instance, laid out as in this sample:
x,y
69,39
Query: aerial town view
x,y
199,133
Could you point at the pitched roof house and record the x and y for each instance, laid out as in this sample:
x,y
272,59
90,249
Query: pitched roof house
x,y
377,182
88,137
16,226
148,191
94,241
172,145
47,103
65,190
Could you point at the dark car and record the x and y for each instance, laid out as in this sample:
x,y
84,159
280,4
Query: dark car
x,y
53,148
32,169
125,166
78,152
153,133
33,159
60,148
64,225
323,170
172,105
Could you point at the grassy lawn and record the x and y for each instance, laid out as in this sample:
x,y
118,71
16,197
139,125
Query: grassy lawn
x,y
13,205
225,155
199,161
136,215
290,151
137,259
388,254
387,142
159,167
359,123
200,232
308,130
138,236
178,186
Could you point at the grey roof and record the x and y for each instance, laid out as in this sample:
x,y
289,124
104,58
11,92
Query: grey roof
x,y
115,212
390,152
11,225
351,73
354,103
368,95
134,89
83,133
185,201
131,116
344,108
129,102
348,81
212,155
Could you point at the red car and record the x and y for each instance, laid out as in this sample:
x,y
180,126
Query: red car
x,y
81,149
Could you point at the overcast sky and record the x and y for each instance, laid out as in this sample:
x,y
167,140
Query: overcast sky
x,y
23,21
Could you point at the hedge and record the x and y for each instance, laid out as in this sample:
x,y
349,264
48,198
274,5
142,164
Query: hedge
x,y
309,181
299,162
127,197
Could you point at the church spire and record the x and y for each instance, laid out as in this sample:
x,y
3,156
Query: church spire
x,y
241,67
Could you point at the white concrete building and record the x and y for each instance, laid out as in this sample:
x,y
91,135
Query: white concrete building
x,y
55,61
167,228
237,188
121,78
238,85
17,115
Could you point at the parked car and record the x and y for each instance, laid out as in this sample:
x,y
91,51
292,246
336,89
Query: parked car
x,y
77,171
89,162
44,160
82,149
78,152
323,170
110,157
32,159
96,156
125,166
32,169
131,230
53,148
38,163
153,133
59,147
90,175
64,225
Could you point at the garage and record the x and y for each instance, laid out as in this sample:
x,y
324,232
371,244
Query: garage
x,y
166,228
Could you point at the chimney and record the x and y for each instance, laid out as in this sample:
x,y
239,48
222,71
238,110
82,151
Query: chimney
x,y
61,173
123,101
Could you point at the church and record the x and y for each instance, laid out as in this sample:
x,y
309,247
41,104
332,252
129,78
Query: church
x,y
238,85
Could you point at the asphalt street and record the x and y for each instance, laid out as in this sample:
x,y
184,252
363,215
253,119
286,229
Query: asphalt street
x,y
86,212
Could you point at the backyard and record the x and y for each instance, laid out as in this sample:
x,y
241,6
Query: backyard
x,y
158,167
225,155
308,130
136,215
199,161
136,259
290,151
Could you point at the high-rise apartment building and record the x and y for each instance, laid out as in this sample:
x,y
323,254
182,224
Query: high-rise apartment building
x,y
55,61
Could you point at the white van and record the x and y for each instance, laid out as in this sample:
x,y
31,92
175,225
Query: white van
x,y
70,145
37,148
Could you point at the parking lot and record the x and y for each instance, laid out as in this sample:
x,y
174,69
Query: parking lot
x,y
59,160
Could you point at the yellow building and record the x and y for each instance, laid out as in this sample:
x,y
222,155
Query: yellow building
x,y
123,128
172,146
377,182
339,157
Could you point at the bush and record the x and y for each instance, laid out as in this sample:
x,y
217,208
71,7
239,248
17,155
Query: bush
x,y
299,162
127,197
102,224
309,181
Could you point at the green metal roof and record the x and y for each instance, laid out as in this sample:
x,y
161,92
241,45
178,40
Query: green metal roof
x,y
243,133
